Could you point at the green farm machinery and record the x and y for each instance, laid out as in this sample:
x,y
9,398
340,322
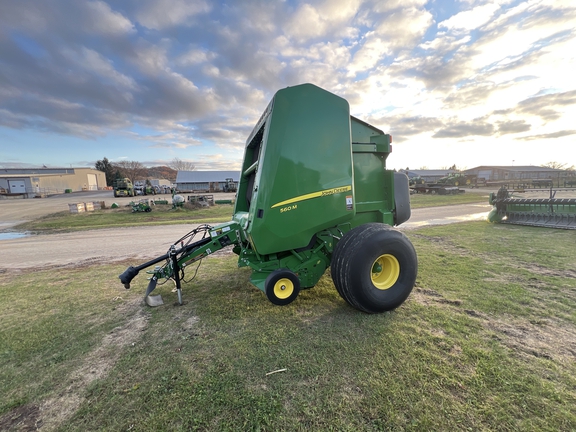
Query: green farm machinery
x,y
549,212
142,205
314,193
123,187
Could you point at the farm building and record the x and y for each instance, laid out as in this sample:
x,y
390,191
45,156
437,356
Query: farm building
x,y
530,172
488,173
205,181
31,182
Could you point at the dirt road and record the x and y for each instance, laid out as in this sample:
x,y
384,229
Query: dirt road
x,y
137,244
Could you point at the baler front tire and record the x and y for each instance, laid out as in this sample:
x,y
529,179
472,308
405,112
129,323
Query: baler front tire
x,y
282,287
374,268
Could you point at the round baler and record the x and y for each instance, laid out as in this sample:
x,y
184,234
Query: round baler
x,y
314,192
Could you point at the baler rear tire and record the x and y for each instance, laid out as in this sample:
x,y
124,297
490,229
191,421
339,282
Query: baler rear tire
x,y
374,268
277,282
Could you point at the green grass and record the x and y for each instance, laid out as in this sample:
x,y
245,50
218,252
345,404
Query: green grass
x,y
429,200
165,214
122,217
485,342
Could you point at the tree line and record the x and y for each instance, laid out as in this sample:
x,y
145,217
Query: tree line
x,y
135,170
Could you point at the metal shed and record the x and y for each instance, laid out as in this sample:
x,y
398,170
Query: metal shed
x,y
519,173
205,181
31,182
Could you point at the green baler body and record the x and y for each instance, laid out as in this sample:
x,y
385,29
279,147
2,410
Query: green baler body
x,y
311,173
309,166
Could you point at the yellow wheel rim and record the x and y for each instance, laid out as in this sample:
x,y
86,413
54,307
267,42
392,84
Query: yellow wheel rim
x,y
283,288
385,271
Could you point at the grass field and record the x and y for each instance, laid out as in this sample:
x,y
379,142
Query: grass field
x,y
486,341
165,214
428,200
123,216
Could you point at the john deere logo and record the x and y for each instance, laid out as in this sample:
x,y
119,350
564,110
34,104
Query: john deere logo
x,y
322,193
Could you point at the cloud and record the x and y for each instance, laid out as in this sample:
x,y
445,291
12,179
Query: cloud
x,y
434,71
327,18
544,105
195,56
461,129
547,106
401,128
471,94
64,18
513,126
470,19
190,75
402,29
552,135
163,14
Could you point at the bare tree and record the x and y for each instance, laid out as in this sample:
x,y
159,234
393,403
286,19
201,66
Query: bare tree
x,y
134,170
558,165
180,165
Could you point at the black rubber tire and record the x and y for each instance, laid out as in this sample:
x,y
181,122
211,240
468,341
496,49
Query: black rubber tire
x,y
352,267
275,280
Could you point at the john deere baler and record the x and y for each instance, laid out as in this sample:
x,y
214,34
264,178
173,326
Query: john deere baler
x,y
314,192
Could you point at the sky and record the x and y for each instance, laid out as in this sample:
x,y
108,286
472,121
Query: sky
x,y
455,82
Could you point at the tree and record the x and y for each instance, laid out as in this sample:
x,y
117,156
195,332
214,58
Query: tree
x,y
180,165
558,165
107,168
134,170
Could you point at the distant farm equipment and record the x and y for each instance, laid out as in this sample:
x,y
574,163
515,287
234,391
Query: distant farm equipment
x,y
144,188
123,187
230,185
141,206
458,179
548,212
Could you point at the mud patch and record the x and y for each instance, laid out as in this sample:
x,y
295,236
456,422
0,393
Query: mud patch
x,y
97,365
545,271
427,296
545,338
446,245
24,418
548,339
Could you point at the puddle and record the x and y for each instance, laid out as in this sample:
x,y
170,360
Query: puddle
x,y
12,235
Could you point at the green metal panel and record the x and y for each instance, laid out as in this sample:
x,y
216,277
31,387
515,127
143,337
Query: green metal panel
x,y
310,166
374,185
304,170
